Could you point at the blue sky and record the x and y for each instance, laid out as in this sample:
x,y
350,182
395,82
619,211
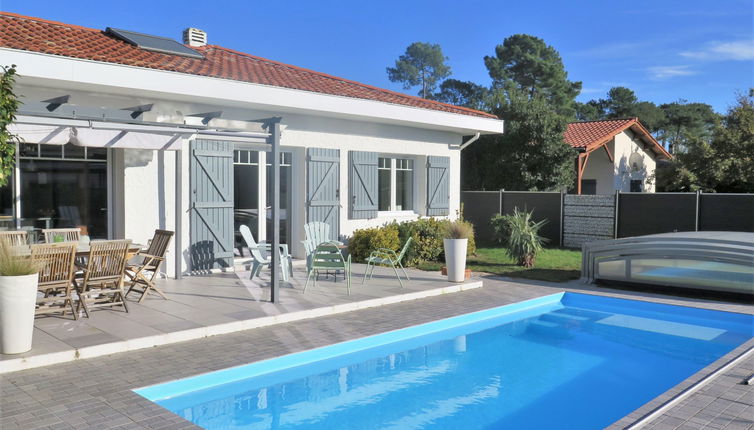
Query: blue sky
x,y
665,50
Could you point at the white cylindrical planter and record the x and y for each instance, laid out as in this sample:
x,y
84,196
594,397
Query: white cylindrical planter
x,y
455,259
18,298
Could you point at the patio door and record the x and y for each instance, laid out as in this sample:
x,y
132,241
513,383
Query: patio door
x,y
323,188
211,217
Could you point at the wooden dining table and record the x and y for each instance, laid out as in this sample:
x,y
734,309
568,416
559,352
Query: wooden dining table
x,y
82,250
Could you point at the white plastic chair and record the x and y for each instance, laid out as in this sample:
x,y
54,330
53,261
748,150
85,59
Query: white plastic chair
x,y
259,258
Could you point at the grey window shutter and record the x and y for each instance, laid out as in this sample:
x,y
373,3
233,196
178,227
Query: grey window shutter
x,y
438,186
363,184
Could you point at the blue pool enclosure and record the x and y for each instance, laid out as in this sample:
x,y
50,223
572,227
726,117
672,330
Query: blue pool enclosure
x,y
568,360
717,261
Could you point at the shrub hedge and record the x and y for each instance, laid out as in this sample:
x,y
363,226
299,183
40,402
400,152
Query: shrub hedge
x,y
428,234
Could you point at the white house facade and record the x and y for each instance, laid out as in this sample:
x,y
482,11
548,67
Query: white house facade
x,y
614,155
123,139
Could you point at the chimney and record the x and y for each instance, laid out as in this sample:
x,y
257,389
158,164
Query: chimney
x,y
194,37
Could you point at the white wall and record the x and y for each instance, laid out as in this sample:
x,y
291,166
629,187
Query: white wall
x,y
627,143
600,168
616,175
314,132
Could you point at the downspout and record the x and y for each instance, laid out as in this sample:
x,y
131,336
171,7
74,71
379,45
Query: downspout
x,y
470,141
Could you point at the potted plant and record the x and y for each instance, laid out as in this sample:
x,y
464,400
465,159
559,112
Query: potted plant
x,y
456,245
18,298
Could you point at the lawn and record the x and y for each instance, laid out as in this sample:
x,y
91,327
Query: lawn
x,y
553,264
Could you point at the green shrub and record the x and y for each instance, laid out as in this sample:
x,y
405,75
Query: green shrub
x,y
520,236
364,241
428,235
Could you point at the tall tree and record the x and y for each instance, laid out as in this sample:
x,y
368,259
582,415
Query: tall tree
x,y
526,63
723,162
531,155
620,102
423,65
463,93
684,122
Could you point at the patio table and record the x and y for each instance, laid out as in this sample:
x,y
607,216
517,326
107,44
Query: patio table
x,y
82,250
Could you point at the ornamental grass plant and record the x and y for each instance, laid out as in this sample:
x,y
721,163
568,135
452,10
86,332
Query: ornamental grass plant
x,y
519,234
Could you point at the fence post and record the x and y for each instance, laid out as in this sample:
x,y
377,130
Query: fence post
x,y
615,216
500,201
698,207
562,215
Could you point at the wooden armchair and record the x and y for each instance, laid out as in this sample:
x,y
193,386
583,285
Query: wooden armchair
x,y
101,283
53,235
141,275
14,237
56,271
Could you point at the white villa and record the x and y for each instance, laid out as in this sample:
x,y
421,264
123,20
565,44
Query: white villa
x,y
124,133
614,155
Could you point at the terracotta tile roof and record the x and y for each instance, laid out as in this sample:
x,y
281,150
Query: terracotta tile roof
x,y
584,134
38,35
588,134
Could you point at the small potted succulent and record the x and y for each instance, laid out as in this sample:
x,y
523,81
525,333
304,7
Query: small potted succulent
x,y
456,245
18,298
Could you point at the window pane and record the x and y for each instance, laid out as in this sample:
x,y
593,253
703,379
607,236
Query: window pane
x,y
96,153
64,194
285,201
6,205
404,190
29,150
384,194
73,151
245,200
53,151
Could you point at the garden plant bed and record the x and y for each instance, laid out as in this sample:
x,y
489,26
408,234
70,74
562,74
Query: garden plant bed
x,y
552,264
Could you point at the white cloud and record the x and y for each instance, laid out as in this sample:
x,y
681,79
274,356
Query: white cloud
x,y
664,72
742,50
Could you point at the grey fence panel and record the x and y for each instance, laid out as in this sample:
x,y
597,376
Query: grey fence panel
x,y
650,213
545,206
478,208
726,212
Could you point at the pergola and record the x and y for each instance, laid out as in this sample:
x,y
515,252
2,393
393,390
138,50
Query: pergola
x,y
56,122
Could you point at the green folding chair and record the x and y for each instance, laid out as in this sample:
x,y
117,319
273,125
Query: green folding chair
x,y
327,257
387,257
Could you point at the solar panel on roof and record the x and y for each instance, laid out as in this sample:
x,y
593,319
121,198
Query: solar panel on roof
x,y
153,43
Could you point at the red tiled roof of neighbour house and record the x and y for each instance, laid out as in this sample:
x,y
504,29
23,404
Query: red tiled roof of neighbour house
x,y
49,37
588,134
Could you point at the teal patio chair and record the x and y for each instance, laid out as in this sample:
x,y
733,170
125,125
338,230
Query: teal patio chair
x,y
327,257
259,257
388,257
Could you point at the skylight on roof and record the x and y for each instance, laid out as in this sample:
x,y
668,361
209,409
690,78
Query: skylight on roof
x,y
153,43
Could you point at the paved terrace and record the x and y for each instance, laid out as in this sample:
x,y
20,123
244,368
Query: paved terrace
x,y
96,393
221,303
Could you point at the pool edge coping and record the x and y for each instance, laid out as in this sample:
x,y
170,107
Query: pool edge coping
x,y
127,345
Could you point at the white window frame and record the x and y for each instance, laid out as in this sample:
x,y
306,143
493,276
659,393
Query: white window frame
x,y
393,211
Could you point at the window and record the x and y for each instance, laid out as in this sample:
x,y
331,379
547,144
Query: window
x,y
588,186
396,184
60,186
246,190
286,159
636,185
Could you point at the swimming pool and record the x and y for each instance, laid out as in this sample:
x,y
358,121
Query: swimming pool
x,y
561,361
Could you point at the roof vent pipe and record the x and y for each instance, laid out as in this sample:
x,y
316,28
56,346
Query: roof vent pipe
x,y
194,37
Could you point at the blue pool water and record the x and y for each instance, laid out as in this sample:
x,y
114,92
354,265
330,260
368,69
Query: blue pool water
x,y
568,360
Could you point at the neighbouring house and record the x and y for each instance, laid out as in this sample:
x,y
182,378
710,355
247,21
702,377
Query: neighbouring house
x,y
614,155
124,133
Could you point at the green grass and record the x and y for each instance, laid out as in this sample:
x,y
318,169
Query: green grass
x,y
553,264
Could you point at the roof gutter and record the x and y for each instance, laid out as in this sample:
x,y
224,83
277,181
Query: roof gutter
x,y
470,141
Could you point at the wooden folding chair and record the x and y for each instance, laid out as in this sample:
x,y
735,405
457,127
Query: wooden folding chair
x,y
53,235
101,284
141,275
14,237
56,271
